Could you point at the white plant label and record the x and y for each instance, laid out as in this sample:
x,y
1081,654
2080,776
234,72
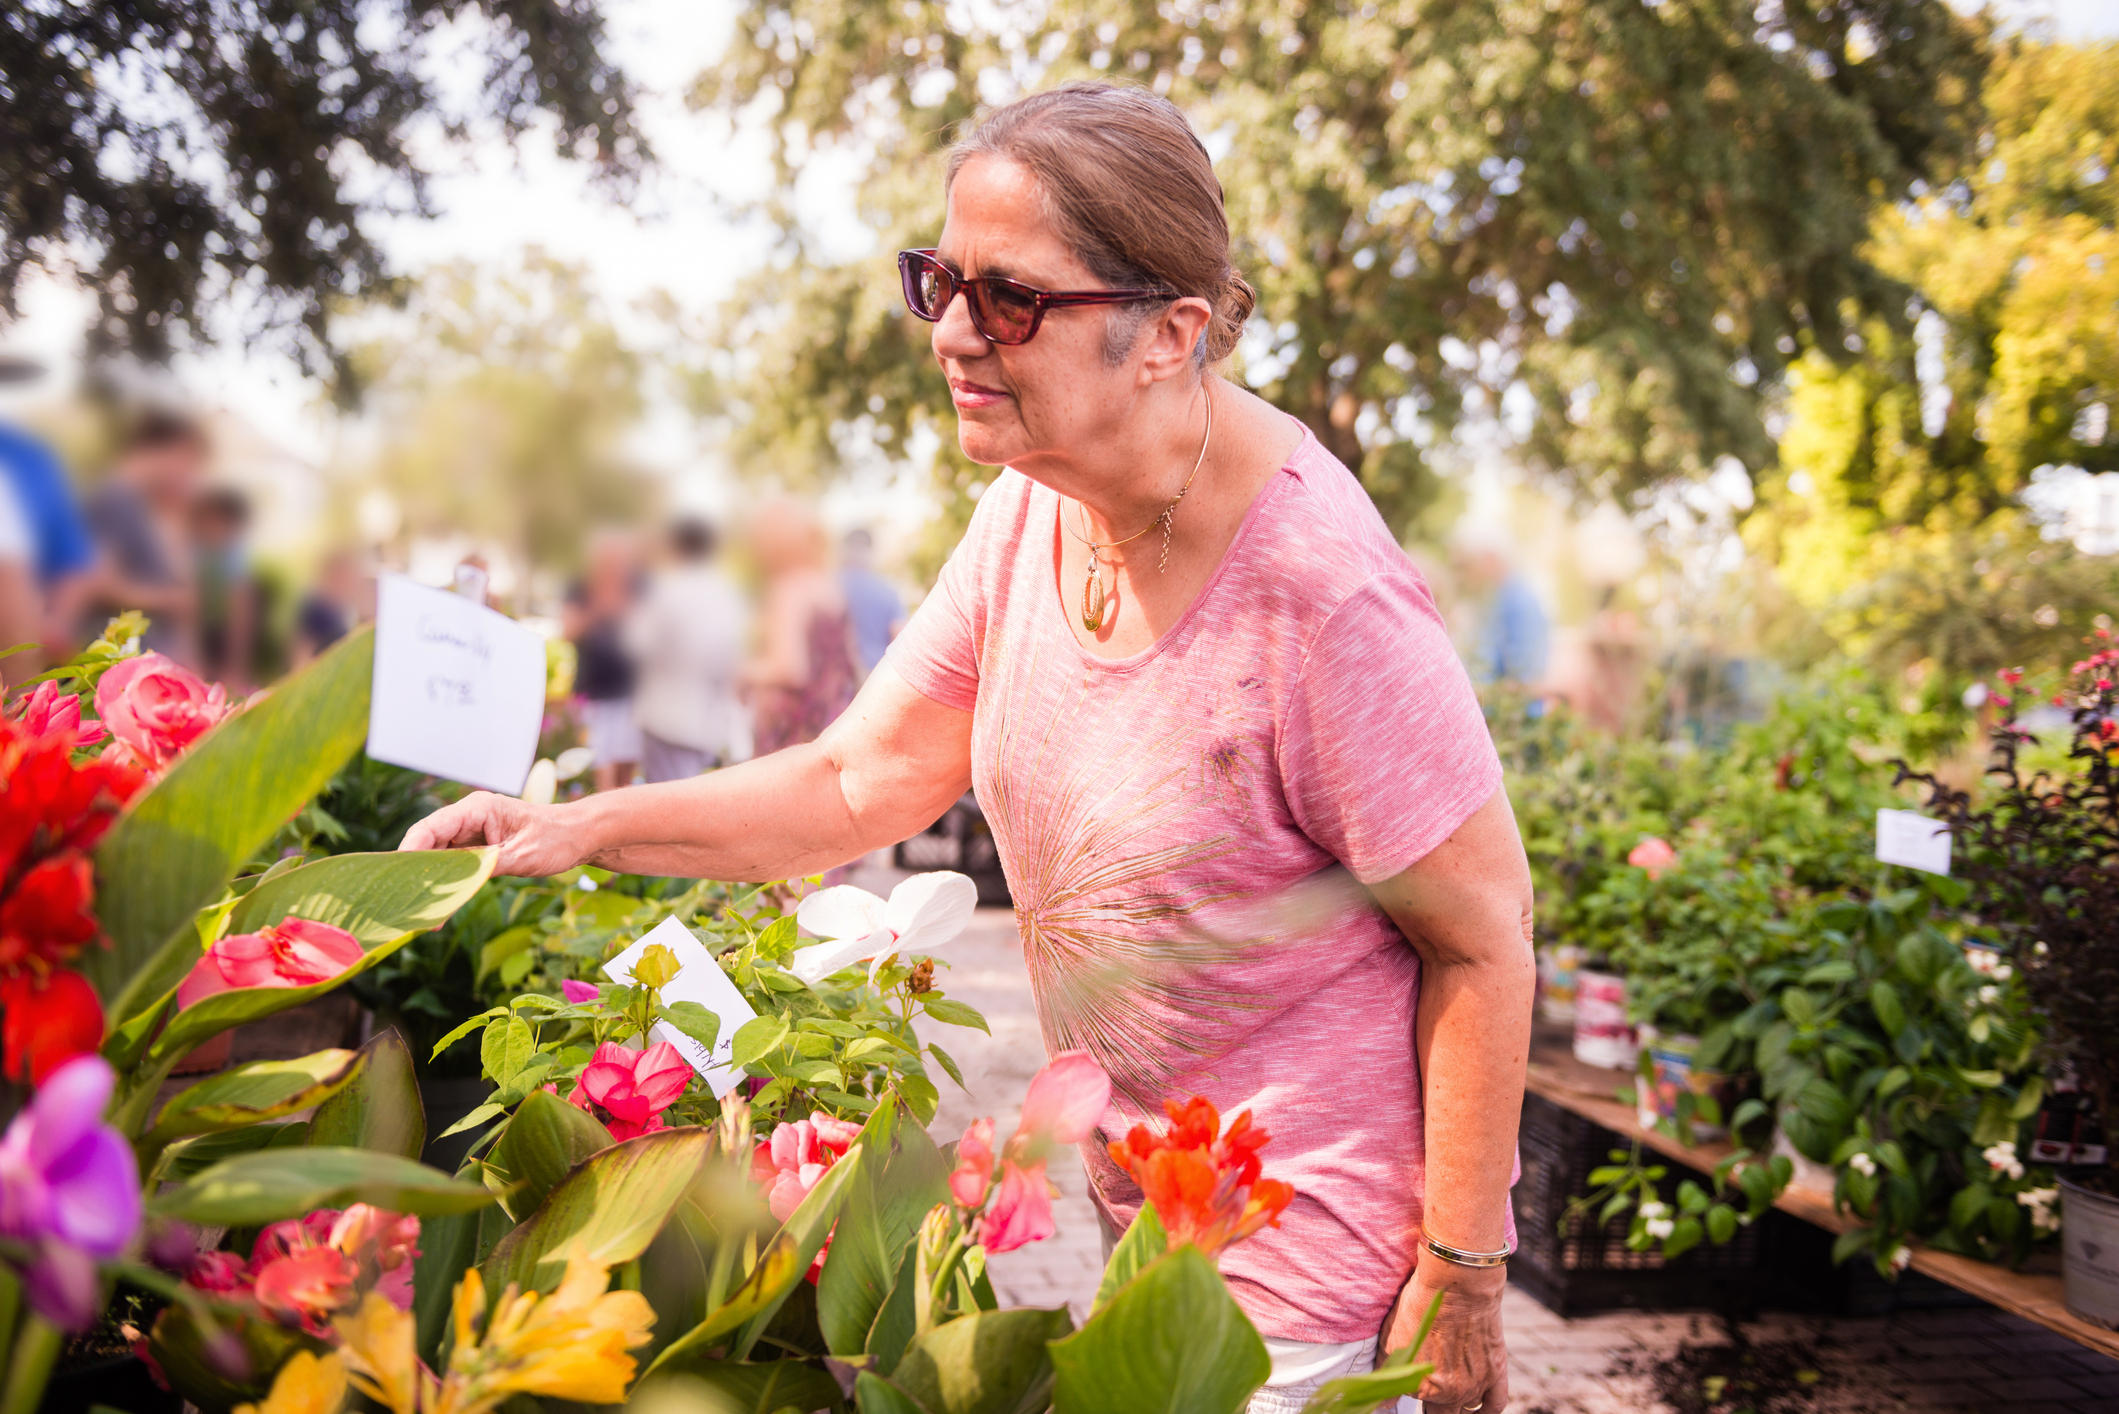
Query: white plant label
x,y
458,689
699,979
1905,837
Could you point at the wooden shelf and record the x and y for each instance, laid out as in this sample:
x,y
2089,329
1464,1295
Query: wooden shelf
x,y
1591,1092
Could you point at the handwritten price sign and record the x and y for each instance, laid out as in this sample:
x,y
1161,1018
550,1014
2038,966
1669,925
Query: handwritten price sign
x,y
459,689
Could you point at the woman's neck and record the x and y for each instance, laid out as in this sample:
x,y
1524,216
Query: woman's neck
x,y
1146,469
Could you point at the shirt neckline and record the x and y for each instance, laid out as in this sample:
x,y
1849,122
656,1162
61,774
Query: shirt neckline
x,y
1049,566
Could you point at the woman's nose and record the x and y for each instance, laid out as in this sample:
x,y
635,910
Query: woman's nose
x,y
955,336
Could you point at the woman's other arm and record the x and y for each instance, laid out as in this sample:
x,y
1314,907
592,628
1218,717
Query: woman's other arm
x,y
1466,908
886,769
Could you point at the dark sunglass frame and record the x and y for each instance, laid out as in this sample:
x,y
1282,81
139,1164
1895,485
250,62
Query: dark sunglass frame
x,y
977,292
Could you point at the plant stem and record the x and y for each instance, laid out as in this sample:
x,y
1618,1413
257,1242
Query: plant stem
x,y
10,1305
29,1366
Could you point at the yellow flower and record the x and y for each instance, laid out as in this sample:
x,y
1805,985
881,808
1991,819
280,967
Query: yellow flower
x,y
569,1345
304,1385
379,1344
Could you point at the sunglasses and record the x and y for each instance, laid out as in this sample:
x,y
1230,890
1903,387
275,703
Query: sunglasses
x,y
1003,311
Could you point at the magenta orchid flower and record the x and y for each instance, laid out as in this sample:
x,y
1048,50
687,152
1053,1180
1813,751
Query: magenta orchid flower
x,y
70,1189
923,913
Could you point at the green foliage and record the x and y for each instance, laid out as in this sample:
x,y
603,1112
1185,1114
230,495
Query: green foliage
x,y
985,1362
380,1107
251,1094
608,1208
907,1178
1172,1339
1634,211
177,153
270,1184
542,1143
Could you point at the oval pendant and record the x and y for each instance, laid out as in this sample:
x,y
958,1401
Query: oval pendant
x,y
1093,602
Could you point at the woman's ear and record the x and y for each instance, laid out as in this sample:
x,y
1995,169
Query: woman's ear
x,y
1169,340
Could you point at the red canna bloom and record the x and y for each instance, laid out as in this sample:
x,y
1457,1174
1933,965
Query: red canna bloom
x,y
294,952
49,1020
1206,1185
46,918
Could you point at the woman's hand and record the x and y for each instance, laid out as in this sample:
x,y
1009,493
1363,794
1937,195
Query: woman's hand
x,y
535,840
1466,1346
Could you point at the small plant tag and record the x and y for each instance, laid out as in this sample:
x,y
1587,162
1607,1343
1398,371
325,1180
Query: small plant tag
x,y
698,979
1908,838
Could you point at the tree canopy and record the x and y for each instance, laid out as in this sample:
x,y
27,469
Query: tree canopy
x,y
1896,513
1611,224
188,153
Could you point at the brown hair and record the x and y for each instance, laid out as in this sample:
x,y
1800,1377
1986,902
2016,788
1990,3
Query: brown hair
x,y
1132,191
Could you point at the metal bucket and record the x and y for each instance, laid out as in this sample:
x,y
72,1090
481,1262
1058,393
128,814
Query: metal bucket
x,y
2089,1236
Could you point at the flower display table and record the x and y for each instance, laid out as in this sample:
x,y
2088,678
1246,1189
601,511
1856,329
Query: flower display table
x,y
1591,1092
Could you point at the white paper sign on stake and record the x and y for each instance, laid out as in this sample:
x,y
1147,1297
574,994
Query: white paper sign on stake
x,y
458,689
699,979
1908,838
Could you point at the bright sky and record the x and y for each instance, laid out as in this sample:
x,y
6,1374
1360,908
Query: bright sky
x,y
679,235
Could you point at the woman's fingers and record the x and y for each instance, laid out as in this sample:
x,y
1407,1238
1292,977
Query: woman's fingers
x,y
470,821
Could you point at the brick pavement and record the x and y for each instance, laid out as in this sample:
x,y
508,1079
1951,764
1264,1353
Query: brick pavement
x,y
1979,1359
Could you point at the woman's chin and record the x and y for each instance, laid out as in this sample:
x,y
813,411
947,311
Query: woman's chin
x,y
988,446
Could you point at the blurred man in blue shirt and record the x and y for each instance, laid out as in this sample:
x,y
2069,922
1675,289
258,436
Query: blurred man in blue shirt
x,y
1512,643
61,553
871,603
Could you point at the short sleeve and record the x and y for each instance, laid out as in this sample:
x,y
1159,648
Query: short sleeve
x,y
937,651
1384,751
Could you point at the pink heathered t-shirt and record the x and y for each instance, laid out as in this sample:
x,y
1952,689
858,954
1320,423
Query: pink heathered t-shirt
x,y
1177,828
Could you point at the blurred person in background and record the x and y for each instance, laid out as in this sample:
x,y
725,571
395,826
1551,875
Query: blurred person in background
x,y
20,604
871,601
805,673
61,553
332,606
141,521
227,591
1511,643
597,606
687,637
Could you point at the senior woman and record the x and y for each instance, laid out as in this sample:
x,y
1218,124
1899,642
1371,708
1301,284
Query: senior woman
x,y
1200,693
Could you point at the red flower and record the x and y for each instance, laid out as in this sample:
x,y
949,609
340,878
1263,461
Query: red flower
x,y
49,1020
49,712
47,803
305,1287
294,952
45,918
628,1090
1205,1185
157,709
1652,856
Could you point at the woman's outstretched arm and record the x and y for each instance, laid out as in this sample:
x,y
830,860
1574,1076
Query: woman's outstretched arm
x,y
888,768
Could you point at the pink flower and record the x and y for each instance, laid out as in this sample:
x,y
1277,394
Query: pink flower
x,y
974,1165
1653,856
1022,1210
797,1155
157,709
294,952
385,1243
1066,1101
307,1286
49,712
578,992
629,1090
218,1272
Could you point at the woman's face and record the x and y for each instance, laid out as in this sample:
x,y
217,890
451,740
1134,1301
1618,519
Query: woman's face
x,y
1038,405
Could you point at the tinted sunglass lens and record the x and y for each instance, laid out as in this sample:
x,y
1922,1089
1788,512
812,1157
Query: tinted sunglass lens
x,y
1007,312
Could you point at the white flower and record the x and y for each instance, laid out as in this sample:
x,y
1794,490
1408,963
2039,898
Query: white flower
x,y
541,784
924,912
2040,948
2040,1201
1653,1210
1988,996
1901,1258
585,884
2002,1157
1863,1164
2004,972
1983,960
1661,1227
1646,1117
573,761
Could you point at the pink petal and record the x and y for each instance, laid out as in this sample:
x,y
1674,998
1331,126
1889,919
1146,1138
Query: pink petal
x,y
974,1165
836,1135
1022,1210
1066,1100
578,992
660,1075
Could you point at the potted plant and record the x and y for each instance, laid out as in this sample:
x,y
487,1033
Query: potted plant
x,y
2041,849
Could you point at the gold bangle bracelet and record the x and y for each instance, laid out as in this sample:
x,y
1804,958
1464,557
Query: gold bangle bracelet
x,y
1462,1258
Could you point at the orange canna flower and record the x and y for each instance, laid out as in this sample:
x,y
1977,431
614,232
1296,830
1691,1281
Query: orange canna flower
x,y
1207,1186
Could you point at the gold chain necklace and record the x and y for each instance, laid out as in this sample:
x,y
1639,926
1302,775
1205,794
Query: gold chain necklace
x,y
1093,594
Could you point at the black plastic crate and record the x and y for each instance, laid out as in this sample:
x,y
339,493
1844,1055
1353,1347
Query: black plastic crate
x,y
963,841
1573,1265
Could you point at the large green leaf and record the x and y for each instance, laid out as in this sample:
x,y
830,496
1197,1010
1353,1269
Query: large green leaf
x,y
987,1362
448,1247
540,1146
610,1207
904,1178
380,1108
741,1387
898,1319
876,1396
1144,1241
737,1321
183,840
276,1183
250,1094
1172,1341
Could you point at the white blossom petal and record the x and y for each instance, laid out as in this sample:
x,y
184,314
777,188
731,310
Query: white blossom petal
x,y
842,911
928,910
815,963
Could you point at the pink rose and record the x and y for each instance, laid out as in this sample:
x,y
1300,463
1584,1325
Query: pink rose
x,y
294,952
1652,855
628,1090
157,709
